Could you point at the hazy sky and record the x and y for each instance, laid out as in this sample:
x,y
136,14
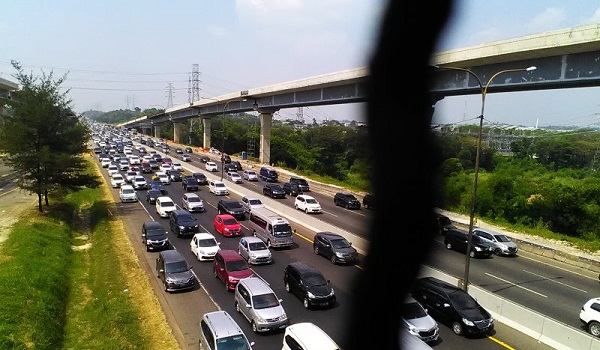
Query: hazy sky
x,y
125,54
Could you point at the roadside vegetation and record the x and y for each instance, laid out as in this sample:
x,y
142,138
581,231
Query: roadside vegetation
x,y
69,279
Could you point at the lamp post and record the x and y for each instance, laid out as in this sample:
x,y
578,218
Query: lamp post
x,y
484,89
223,138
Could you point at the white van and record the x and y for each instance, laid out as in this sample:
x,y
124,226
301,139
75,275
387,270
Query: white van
x,y
271,227
219,331
307,336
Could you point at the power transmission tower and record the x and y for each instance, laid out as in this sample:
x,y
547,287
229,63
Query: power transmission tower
x,y
170,94
195,84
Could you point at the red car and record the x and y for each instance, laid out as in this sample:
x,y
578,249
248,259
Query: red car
x,y
229,266
227,225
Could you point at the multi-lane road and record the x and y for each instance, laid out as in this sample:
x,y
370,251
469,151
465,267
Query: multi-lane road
x,y
523,279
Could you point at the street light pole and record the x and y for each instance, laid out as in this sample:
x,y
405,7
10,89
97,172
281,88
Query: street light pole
x,y
477,156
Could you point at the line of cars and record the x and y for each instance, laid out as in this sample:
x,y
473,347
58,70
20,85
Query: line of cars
x,y
174,274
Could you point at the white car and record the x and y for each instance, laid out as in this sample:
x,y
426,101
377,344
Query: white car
x,y
166,167
307,204
234,177
192,203
112,169
162,177
250,175
164,206
130,175
116,180
105,162
590,316
127,194
123,164
217,187
254,250
140,183
177,166
135,160
204,246
211,166
250,203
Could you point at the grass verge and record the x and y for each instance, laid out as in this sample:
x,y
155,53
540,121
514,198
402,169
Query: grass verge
x,y
69,279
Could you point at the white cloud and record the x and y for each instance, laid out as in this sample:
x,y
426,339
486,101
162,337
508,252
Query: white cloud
x,y
550,19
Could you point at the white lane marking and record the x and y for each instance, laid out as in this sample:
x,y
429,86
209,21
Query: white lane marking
x,y
516,285
555,281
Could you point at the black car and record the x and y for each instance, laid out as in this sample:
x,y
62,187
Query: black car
x,y
457,239
442,223
273,190
146,168
237,164
346,200
189,150
204,159
292,189
225,158
202,180
231,207
189,183
158,185
175,176
227,167
183,223
154,236
308,284
174,271
178,150
152,194
302,183
368,201
452,306
334,247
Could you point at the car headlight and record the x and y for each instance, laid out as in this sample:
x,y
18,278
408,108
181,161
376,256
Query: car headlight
x,y
468,323
181,227
477,248
310,295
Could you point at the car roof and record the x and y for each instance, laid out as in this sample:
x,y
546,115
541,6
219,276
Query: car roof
x,y
329,235
251,239
301,266
153,224
201,235
311,336
126,187
188,195
171,255
226,216
230,254
256,285
305,196
165,198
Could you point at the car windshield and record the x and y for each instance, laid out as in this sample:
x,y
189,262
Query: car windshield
x,y
167,204
257,246
340,243
236,265
176,267
315,280
155,232
154,193
234,342
207,242
185,218
463,300
411,311
251,173
311,201
219,184
235,205
255,201
264,301
193,199
128,191
230,221
282,230
140,179
502,238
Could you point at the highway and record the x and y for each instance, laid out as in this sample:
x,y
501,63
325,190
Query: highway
x,y
185,309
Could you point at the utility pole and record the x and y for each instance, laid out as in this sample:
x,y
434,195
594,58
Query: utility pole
x,y
170,94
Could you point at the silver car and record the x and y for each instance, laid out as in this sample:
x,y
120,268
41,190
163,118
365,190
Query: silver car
x,y
503,245
255,251
257,302
418,322
192,203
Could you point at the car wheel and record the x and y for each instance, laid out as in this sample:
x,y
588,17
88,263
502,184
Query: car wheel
x,y
165,287
457,328
497,251
237,307
147,248
306,303
594,328
287,287
306,210
449,245
296,206
215,273
316,250
254,327
332,259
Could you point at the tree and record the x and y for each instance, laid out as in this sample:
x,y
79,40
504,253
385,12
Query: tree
x,y
43,139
